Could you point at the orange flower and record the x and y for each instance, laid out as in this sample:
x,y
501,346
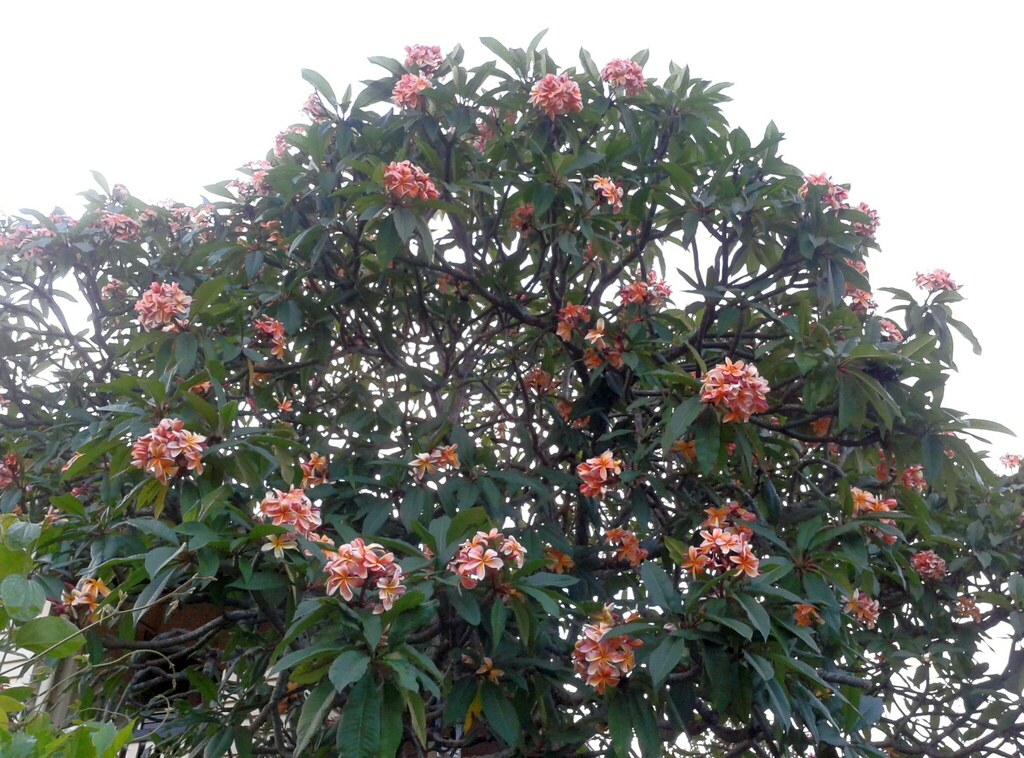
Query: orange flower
x,y
736,387
556,95
270,330
628,548
488,669
406,93
447,457
928,565
806,615
405,179
609,191
314,471
558,562
292,509
522,218
625,73
685,448
695,562
746,562
568,317
279,543
596,335
161,305
169,450
862,608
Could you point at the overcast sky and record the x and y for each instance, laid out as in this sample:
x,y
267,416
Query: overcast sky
x,y
918,105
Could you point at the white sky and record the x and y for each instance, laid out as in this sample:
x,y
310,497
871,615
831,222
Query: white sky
x,y
917,105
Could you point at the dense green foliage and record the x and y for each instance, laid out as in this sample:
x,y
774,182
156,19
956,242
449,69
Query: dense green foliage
x,y
331,314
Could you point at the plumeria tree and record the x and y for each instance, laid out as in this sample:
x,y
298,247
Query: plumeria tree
x,y
509,409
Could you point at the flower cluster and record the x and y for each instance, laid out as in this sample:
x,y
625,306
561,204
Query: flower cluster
x,y
87,593
928,565
406,93
1011,461
281,143
602,659
119,227
480,557
114,289
169,450
627,74
564,409
557,95
538,381
161,306
805,614
598,474
654,291
864,502
835,196
357,565
609,191
314,109
404,179
568,317
890,332
862,608
314,471
627,546
725,543
292,509
558,562
438,459
486,668
270,331
736,387
868,229
8,471
860,300
426,57
913,478
936,281
967,607
521,219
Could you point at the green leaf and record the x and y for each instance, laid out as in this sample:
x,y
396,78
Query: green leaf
x,y
544,579
660,589
619,723
391,733
466,605
314,711
757,614
665,658
360,721
708,440
737,626
405,223
23,598
53,635
296,657
500,715
14,561
321,85
347,668
682,417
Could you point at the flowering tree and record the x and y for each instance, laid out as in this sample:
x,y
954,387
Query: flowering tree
x,y
506,410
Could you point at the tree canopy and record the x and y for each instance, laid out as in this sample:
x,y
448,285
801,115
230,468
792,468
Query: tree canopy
x,y
511,410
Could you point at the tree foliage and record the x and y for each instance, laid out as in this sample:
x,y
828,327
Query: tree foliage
x,y
514,409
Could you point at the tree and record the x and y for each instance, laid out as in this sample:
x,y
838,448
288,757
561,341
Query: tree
x,y
404,443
